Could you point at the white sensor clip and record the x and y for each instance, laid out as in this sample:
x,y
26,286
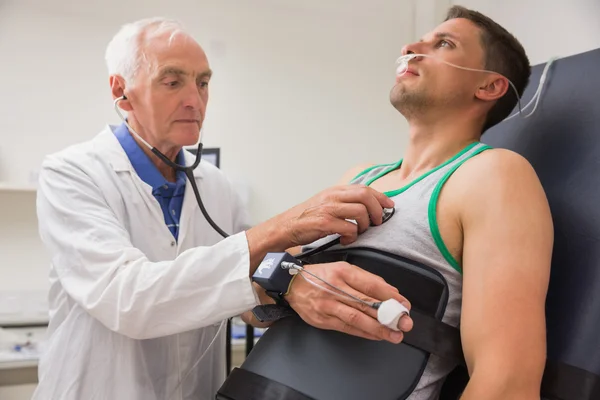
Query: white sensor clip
x,y
390,312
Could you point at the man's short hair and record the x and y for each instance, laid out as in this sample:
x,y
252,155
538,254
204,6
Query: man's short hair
x,y
124,54
503,54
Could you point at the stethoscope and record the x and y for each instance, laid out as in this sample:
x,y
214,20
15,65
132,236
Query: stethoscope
x,y
189,171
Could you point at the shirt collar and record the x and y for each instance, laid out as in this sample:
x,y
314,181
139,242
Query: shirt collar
x,y
142,164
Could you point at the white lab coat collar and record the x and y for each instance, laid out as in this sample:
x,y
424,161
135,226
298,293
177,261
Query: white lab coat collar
x,y
109,146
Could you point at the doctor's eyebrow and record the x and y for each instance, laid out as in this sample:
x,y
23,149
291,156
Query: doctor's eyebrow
x,y
180,72
205,74
171,71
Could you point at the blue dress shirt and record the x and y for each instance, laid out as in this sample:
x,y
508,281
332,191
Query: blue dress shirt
x,y
168,194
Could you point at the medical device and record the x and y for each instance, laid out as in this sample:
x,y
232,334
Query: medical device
x,y
405,59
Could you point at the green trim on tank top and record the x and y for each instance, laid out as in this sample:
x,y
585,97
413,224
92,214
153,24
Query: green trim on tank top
x,y
432,212
371,168
392,193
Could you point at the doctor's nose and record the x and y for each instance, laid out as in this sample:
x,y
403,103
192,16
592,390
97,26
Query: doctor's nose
x,y
193,99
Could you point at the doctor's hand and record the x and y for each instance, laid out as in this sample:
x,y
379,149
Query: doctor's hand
x,y
328,311
325,214
328,213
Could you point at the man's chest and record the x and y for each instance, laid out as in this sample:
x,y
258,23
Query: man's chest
x,y
427,207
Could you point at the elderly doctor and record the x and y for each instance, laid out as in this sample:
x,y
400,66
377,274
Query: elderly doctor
x,y
140,282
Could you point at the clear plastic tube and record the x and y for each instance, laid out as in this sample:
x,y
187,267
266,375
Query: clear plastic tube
x,y
210,345
538,93
342,293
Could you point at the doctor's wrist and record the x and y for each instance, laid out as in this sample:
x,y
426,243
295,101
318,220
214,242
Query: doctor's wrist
x,y
262,295
264,238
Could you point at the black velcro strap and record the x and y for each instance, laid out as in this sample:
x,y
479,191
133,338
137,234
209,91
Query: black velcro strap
x,y
566,382
245,385
272,312
435,337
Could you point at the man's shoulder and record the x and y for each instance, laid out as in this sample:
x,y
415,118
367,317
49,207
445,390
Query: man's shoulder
x,y
354,172
495,174
497,164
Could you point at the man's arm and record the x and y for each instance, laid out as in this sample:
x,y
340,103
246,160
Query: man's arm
x,y
508,239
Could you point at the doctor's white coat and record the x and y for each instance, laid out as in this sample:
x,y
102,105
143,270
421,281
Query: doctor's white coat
x,y
131,309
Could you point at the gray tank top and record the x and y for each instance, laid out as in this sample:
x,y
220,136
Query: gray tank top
x,y
413,233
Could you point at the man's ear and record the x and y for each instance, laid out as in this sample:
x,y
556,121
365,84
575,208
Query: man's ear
x,y
117,87
493,89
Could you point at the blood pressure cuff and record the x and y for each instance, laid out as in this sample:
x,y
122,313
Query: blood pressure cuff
x,y
295,361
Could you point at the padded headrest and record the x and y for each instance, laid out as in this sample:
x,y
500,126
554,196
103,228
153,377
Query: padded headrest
x,y
562,142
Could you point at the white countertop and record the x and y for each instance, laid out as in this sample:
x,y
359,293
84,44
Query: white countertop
x,y
14,360
18,364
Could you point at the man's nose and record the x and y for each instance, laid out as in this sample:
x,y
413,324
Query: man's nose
x,y
413,48
193,99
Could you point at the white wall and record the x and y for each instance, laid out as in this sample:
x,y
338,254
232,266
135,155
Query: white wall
x,y
546,28
299,95
293,85
23,260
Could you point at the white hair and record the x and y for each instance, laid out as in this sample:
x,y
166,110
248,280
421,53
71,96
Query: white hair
x,y
124,53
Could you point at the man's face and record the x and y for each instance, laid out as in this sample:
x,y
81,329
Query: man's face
x,y
431,84
170,91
